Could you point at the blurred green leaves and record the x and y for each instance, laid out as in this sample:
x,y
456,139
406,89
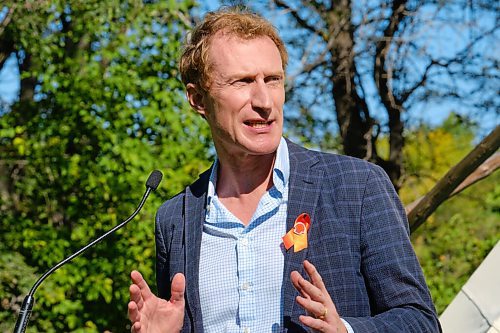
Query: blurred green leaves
x,y
107,108
452,243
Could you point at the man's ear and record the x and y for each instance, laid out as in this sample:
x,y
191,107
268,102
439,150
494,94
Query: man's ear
x,y
195,96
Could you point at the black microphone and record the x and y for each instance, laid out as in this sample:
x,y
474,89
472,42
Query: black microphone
x,y
152,183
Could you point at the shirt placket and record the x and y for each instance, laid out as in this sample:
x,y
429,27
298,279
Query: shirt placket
x,y
246,263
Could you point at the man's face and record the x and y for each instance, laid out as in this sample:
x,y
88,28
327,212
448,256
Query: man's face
x,y
244,101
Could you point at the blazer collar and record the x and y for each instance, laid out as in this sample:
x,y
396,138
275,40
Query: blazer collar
x,y
305,182
194,216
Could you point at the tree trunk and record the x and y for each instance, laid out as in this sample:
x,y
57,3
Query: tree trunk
x,y
353,119
383,75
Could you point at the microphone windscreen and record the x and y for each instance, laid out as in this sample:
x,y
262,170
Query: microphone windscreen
x,y
154,179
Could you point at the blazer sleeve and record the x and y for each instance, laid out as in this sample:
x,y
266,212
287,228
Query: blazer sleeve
x,y
168,239
162,264
399,298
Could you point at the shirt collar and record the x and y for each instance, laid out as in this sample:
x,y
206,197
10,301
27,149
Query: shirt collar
x,y
281,171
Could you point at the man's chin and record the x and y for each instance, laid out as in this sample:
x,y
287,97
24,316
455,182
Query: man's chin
x,y
264,146
263,149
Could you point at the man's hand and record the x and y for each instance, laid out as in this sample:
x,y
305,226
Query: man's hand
x,y
322,314
150,314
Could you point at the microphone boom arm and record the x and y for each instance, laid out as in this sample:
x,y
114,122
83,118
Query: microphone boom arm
x,y
25,312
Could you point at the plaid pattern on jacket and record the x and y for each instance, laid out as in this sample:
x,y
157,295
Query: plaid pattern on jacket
x,y
358,241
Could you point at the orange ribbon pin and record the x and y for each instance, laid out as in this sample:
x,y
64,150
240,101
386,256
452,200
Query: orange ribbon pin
x,y
297,236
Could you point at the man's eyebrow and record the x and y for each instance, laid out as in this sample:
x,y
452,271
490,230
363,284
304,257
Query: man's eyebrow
x,y
279,73
240,75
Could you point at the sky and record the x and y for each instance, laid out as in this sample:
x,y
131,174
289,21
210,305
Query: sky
x,y
9,81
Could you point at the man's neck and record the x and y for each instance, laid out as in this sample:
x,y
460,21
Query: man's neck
x,y
237,177
241,183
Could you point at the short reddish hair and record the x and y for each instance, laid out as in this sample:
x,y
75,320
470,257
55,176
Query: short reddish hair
x,y
194,66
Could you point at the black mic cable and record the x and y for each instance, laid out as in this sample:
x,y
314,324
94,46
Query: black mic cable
x,y
152,183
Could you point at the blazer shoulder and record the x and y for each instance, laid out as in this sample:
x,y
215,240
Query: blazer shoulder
x,y
173,202
348,177
335,164
345,163
173,208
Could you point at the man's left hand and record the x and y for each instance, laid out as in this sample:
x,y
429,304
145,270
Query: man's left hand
x,y
322,315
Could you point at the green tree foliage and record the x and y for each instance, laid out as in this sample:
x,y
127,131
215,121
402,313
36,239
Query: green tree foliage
x,y
457,237
431,152
100,106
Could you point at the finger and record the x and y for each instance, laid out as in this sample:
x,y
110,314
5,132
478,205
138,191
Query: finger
x,y
141,283
317,281
311,290
136,296
295,278
133,312
136,327
315,277
178,288
314,308
315,324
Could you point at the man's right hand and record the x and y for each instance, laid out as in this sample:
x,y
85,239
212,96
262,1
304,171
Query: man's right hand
x,y
150,314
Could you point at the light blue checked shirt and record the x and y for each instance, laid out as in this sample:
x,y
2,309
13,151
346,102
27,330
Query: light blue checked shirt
x,y
241,268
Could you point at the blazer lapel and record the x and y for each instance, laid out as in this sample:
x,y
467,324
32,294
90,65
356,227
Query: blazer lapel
x,y
194,218
303,193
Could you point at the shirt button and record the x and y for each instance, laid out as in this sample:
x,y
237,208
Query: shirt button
x,y
244,241
245,286
246,330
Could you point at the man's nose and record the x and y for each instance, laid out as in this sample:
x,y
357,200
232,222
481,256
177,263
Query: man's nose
x,y
261,96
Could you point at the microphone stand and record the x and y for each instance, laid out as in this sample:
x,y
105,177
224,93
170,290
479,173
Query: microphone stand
x,y
25,312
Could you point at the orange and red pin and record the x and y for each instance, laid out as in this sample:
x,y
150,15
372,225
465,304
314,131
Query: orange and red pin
x,y
297,236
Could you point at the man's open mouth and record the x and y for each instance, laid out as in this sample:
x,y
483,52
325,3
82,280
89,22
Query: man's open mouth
x,y
258,124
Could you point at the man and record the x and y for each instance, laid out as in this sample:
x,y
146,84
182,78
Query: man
x,y
220,240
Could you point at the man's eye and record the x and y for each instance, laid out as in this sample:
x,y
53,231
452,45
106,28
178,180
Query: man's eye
x,y
244,80
273,79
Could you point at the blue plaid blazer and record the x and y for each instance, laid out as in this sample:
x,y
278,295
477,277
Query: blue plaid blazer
x,y
358,241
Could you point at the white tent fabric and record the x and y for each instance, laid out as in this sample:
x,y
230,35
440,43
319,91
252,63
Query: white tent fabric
x,y
476,308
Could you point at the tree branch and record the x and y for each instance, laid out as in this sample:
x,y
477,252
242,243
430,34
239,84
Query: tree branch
x,y
380,72
484,170
311,66
404,96
6,42
302,22
383,80
315,5
453,179
7,18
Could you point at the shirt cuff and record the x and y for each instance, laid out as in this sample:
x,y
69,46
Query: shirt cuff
x,y
349,328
